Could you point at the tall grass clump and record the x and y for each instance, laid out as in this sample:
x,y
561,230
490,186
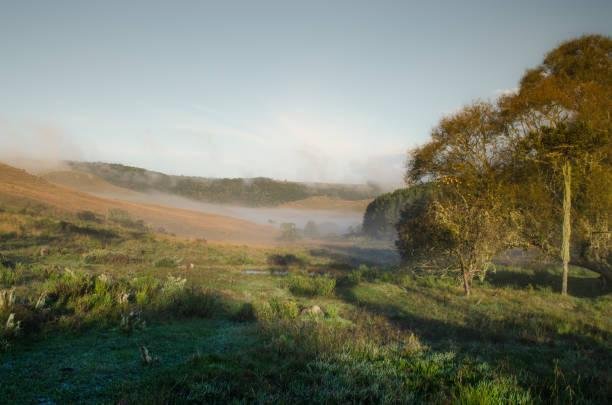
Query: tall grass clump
x,y
276,309
8,277
311,286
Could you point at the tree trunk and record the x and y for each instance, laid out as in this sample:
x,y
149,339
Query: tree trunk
x,y
567,225
466,283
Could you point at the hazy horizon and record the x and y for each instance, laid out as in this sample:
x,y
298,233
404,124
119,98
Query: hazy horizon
x,y
317,92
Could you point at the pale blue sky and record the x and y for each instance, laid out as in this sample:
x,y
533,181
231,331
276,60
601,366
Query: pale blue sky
x,y
312,90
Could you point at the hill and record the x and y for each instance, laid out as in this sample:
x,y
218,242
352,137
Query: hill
x,y
252,192
86,182
17,187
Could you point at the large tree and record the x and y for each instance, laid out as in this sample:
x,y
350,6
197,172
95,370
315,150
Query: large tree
x,y
559,126
467,218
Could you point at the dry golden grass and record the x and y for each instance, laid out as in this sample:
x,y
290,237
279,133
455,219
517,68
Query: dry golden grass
x,y
328,204
17,185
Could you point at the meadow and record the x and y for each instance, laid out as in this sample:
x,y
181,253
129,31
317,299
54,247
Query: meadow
x,y
97,310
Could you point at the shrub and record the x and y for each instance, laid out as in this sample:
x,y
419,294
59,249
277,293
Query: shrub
x,y
311,286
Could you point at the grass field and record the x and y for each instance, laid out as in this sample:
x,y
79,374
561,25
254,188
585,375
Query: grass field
x,y
292,324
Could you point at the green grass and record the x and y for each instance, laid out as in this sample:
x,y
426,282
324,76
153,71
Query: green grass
x,y
311,286
222,334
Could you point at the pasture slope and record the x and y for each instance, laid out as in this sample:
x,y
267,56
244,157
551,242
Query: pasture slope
x,y
17,184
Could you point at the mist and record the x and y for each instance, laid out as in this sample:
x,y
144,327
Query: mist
x,y
328,222
36,148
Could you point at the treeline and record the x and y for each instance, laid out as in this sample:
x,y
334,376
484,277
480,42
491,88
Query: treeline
x,y
530,169
254,192
384,212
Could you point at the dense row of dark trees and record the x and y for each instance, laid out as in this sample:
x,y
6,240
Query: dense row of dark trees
x,y
531,169
383,213
254,192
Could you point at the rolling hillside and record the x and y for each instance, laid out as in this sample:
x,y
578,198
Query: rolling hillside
x,y
252,192
17,187
86,182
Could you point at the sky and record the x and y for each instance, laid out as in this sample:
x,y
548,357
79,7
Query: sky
x,y
329,91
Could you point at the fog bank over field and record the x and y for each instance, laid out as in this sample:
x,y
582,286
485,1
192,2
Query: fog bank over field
x,y
337,222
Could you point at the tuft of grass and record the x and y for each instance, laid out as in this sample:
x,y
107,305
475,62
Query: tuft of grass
x,y
165,262
276,309
311,286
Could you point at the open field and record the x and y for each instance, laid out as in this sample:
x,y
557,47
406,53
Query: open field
x,y
301,323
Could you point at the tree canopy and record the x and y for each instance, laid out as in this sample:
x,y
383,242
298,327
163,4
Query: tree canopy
x,y
532,168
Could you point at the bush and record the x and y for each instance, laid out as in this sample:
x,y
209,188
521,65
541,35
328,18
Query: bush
x,y
312,286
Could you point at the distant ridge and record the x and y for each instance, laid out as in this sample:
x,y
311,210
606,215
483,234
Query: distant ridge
x,y
251,192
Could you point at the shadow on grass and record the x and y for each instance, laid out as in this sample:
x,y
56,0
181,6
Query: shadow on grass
x,y
527,330
354,255
583,287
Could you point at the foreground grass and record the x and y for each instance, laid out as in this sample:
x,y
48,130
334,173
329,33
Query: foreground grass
x,y
238,323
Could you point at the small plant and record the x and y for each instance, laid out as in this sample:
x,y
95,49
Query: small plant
x,y
7,299
12,326
146,357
